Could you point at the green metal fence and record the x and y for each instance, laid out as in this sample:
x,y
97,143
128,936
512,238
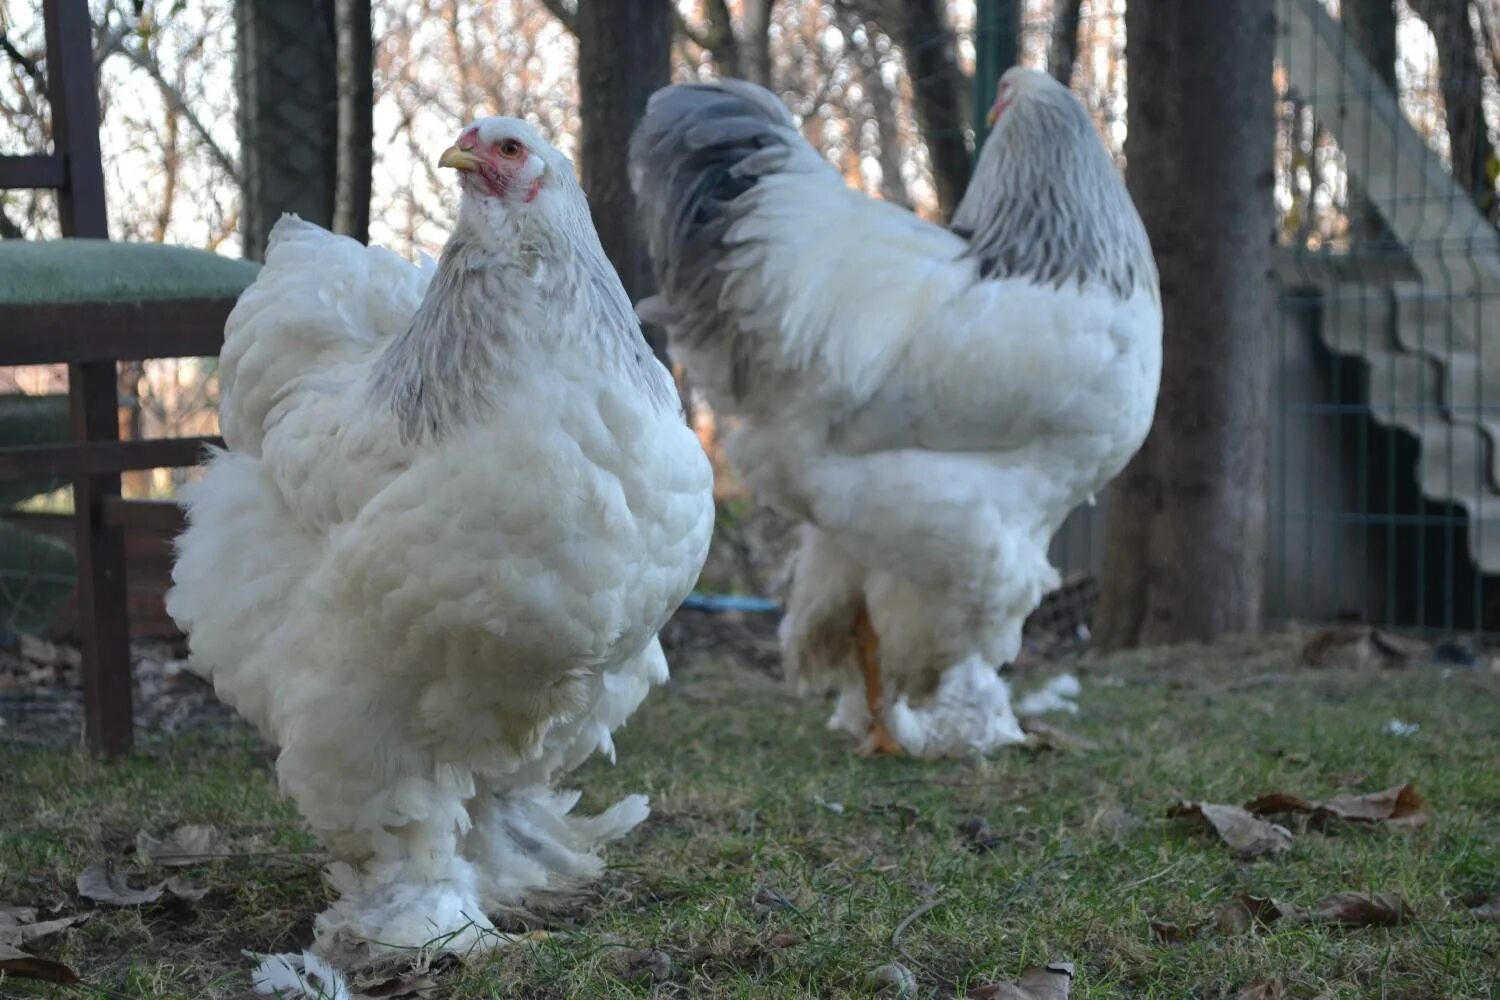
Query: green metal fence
x,y
1385,472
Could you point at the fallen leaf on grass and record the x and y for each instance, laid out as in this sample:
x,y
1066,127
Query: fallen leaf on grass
x,y
1358,909
1398,806
1166,933
19,926
977,836
1361,646
1263,989
394,977
187,845
1486,909
893,979
102,883
1245,835
648,963
15,962
1041,736
400,987
1036,983
1342,909
1246,911
768,900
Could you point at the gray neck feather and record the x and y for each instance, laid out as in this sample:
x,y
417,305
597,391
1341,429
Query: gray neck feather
x,y
500,305
1047,203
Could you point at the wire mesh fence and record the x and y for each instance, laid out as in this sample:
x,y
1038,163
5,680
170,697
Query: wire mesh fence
x,y
1385,478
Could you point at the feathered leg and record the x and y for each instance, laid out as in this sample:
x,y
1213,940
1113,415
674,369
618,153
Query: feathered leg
x,y
867,642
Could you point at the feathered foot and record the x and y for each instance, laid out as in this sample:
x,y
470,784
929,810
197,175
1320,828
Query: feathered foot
x,y
879,741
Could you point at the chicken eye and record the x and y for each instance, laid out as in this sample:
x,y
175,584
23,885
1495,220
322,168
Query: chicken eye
x,y
511,148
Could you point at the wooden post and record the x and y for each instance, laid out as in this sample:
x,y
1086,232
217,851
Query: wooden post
x,y
92,389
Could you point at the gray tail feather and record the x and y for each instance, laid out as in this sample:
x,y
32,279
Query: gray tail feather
x,y
700,147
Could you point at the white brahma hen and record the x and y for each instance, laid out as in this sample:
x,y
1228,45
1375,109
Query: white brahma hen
x,y
930,402
457,506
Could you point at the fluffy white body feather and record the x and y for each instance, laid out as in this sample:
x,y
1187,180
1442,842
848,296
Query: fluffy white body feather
x,y
932,411
432,631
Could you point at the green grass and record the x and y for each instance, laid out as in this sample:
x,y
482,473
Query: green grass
x,y
740,773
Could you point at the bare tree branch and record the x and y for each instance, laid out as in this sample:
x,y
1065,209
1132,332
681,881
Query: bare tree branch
x,y
28,65
699,39
8,228
148,65
565,12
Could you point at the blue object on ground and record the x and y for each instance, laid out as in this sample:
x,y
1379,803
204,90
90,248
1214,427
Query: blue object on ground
x,y
730,602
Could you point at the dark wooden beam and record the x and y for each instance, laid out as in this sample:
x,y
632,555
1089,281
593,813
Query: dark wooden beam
x,y
92,390
38,171
161,517
110,331
102,458
75,116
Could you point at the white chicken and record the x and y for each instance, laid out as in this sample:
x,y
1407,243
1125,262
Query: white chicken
x,y
930,402
458,504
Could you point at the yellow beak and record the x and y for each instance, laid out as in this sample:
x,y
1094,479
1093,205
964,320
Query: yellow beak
x,y
458,159
992,117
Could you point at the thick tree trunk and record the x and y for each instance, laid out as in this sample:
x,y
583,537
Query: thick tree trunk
x,y
1463,91
356,117
1186,538
941,91
624,54
288,114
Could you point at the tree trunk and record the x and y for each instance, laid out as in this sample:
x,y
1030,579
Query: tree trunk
x,y
1064,52
891,151
624,54
757,47
941,91
1186,535
356,118
288,114
1463,92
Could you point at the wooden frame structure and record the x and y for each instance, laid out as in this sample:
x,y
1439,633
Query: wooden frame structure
x,y
91,338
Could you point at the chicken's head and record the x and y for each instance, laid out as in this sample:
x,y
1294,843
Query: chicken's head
x,y
505,166
1014,84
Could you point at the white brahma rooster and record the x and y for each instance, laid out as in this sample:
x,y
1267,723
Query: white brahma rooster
x,y
458,505
931,402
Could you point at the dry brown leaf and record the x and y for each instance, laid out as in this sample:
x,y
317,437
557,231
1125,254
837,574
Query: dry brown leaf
x,y
976,834
1245,835
648,963
1166,933
19,926
391,976
1245,912
1399,806
187,845
1041,736
1343,909
15,962
1361,646
416,984
1358,909
1263,989
102,883
1051,982
1487,909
